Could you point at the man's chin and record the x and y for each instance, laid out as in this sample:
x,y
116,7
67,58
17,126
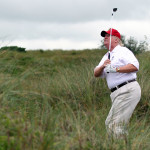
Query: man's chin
x,y
106,44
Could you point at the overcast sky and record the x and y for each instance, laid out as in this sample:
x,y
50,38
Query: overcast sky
x,y
70,24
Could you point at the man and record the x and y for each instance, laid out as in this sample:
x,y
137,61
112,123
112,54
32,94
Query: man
x,y
120,73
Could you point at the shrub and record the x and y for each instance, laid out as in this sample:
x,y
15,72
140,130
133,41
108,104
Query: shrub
x,y
13,48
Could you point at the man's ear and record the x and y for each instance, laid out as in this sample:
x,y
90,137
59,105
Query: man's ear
x,y
116,40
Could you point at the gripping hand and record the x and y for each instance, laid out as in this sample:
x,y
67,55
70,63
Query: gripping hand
x,y
110,69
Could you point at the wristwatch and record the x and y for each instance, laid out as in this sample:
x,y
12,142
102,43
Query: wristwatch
x,y
118,69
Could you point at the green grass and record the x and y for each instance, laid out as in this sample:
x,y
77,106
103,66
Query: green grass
x,y
51,100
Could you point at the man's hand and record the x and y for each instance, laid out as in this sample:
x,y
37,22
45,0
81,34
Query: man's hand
x,y
110,69
106,62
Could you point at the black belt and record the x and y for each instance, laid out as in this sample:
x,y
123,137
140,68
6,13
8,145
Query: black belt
x,y
122,84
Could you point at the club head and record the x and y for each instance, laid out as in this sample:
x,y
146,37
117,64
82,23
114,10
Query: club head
x,y
114,9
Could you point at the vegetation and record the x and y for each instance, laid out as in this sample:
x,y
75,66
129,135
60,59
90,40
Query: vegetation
x,y
12,48
51,100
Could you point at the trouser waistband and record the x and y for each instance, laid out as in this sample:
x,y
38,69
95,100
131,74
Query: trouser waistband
x,y
122,84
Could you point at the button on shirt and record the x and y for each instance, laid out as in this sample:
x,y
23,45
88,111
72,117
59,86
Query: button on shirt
x,y
119,56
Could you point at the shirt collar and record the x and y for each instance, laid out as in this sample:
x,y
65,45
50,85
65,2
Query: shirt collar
x,y
116,49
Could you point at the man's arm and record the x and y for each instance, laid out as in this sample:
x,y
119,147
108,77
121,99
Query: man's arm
x,y
127,68
99,69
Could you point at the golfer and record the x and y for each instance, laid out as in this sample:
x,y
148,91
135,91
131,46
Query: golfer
x,y
120,73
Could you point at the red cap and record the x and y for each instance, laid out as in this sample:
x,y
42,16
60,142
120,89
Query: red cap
x,y
114,32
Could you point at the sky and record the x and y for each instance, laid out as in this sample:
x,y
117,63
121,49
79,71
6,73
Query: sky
x,y
70,24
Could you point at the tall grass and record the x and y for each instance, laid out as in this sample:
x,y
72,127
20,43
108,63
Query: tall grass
x,y
51,100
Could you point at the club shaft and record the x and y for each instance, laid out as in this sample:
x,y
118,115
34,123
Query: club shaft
x,y
110,37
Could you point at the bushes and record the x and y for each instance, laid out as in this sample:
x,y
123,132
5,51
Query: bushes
x,y
134,46
13,48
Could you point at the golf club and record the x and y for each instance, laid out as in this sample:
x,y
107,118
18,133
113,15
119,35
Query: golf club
x,y
114,10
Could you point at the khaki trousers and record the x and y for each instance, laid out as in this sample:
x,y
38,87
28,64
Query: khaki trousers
x,y
124,101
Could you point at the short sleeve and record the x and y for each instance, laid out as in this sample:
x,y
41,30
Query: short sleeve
x,y
129,58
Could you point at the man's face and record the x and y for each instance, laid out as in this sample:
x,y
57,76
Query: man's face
x,y
107,40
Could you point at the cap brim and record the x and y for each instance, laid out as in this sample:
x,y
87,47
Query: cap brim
x,y
103,33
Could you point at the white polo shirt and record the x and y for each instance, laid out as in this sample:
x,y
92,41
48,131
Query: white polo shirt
x,y
119,56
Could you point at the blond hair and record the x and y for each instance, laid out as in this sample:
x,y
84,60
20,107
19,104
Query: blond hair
x,y
119,41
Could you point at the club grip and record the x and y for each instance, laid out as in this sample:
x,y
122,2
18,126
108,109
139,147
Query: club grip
x,y
109,56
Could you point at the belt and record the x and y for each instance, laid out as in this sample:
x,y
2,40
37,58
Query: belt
x,y
122,84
